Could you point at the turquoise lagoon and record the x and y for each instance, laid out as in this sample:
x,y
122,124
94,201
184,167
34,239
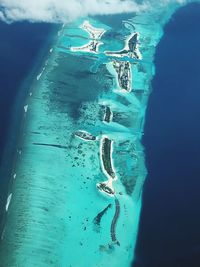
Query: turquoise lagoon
x,y
56,215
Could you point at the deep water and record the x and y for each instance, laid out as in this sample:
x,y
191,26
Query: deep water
x,y
169,233
23,47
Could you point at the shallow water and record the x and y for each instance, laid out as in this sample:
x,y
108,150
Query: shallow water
x,y
52,161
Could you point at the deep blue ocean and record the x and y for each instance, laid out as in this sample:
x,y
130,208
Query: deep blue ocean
x,y
169,233
22,47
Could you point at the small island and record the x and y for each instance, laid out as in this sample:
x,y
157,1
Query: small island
x,y
107,166
85,135
131,48
108,115
95,36
92,47
123,69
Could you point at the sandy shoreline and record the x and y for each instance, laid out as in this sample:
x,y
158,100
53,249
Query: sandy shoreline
x,y
131,48
95,33
95,36
8,201
91,47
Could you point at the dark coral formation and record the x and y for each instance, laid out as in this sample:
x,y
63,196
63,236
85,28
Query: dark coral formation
x,y
108,115
97,219
106,156
114,222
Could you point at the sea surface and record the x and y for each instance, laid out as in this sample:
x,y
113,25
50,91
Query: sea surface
x,y
169,234
22,49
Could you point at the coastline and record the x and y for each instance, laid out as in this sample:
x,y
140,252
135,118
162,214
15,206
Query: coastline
x,y
12,148
94,40
131,48
106,150
168,245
